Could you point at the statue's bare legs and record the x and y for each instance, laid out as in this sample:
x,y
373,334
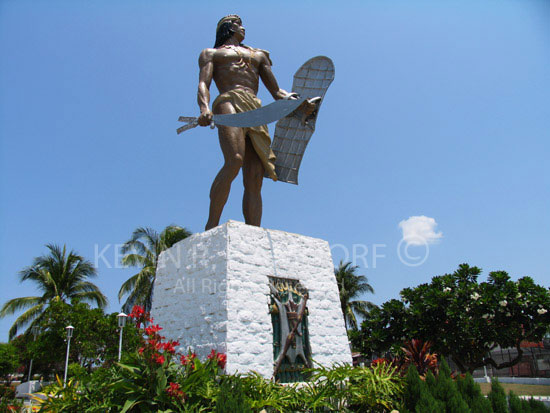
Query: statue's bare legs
x,y
237,152
253,176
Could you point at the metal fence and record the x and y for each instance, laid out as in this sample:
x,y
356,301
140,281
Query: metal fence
x,y
535,362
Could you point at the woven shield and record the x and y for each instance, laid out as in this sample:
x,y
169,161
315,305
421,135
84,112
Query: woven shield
x,y
293,132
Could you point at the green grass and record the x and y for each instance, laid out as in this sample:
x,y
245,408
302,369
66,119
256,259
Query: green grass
x,y
520,389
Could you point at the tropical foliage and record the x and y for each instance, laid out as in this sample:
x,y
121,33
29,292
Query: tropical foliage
x,y
350,286
442,393
94,342
157,378
60,276
9,360
462,318
417,353
143,250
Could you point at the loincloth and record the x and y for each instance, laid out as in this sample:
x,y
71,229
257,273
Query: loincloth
x,y
244,101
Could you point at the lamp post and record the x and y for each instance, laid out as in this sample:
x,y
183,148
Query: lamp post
x,y
69,335
121,323
34,331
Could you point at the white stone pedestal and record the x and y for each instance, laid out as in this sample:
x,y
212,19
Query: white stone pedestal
x,y
212,292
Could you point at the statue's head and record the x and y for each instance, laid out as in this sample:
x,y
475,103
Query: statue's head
x,y
227,27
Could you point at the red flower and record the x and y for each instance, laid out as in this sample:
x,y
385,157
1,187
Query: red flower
x,y
155,344
141,349
170,346
220,358
159,358
137,312
140,315
174,390
152,330
380,360
185,360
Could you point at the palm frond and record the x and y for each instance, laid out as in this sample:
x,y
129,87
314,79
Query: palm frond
x,y
173,234
32,273
136,281
25,318
18,304
90,292
85,286
134,260
128,286
149,236
142,250
95,297
138,296
134,245
362,307
59,275
141,293
83,268
350,318
350,285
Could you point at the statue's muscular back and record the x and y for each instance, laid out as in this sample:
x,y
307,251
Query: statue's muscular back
x,y
236,67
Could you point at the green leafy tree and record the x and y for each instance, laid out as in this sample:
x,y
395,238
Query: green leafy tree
x,y
462,318
350,286
143,250
94,342
9,360
60,276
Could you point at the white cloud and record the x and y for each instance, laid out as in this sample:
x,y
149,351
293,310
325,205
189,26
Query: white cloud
x,y
420,230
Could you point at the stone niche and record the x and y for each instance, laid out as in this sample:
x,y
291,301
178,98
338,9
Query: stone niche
x,y
214,290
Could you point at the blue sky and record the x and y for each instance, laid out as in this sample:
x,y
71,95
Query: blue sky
x,y
439,109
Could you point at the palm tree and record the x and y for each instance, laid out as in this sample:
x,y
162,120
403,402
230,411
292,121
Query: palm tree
x,y
351,285
143,250
60,276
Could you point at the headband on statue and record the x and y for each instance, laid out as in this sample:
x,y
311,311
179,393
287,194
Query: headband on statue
x,y
230,18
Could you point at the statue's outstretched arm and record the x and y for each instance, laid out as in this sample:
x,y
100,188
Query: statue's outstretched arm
x,y
206,66
268,78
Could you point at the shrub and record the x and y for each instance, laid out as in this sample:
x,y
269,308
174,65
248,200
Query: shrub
x,y
77,372
517,405
471,393
151,380
537,406
231,397
7,392
417,396
428,404
497,398
417,353
361,388
446,390
413,388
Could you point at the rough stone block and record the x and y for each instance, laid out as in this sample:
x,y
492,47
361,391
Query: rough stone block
x,y
212,292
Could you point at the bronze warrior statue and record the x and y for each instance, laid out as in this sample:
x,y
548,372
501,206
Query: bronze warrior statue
x,y
236,70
